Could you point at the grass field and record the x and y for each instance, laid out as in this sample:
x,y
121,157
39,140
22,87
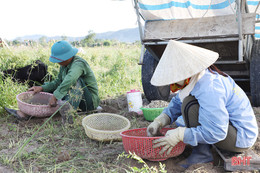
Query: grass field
x,y
48,145
115,68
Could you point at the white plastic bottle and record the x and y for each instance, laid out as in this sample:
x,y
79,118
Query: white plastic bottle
x,y
134,100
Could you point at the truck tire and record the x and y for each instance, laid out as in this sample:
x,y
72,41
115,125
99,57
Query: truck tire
x,y
152,92
255,74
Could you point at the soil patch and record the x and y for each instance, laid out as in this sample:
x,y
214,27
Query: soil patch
x,y
4,169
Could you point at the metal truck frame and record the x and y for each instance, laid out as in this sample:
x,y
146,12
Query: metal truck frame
x,y
232,36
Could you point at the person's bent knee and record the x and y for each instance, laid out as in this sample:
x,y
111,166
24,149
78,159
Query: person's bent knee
x,y
229,143
190,111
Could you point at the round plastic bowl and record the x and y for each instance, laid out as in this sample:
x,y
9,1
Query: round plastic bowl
x,y
136,141
35,105
151,113
105,126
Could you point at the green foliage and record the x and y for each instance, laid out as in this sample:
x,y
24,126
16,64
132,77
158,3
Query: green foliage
x,y
21,56
107,43
16,42
9,90
89,40
115,68
145,168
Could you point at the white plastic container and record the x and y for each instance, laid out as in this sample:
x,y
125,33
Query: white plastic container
x,y
134,100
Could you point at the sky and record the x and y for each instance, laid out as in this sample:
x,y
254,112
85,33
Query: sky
x,y
64,17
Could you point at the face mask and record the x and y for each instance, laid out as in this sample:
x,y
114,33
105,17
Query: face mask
x,y
175,87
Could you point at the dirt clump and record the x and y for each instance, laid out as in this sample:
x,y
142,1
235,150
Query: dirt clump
x,y
63,156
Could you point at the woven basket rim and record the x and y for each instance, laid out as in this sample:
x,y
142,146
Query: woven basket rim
x,y
90,129
143,137
28,104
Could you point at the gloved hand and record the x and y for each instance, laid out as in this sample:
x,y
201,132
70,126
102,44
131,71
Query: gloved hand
x,y
172,137
159,122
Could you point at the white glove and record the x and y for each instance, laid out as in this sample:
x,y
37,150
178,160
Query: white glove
x,y
172,138
154,128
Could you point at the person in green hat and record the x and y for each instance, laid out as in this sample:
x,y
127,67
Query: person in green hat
x,y
75,86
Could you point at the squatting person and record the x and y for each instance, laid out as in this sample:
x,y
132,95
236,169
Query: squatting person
x,y
214,108
75,83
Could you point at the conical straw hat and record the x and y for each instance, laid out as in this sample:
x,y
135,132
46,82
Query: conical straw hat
x,y
181,61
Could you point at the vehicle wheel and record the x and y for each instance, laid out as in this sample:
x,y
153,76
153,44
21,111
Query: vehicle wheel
x,y
152,92
255,75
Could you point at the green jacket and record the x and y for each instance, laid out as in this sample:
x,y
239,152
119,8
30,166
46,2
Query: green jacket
x,y
68,77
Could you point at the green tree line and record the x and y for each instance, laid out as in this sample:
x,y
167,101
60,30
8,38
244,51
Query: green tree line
x,y
88,41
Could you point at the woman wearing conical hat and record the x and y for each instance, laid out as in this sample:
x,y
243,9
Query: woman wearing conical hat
x,y
214,108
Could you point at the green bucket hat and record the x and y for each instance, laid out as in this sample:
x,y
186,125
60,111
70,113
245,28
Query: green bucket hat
x,y
62,51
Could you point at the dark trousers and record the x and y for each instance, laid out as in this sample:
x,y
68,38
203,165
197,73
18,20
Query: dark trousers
x,y
190,113
80,97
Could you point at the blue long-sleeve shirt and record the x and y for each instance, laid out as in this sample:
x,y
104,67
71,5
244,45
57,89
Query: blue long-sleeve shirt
x,y
221,101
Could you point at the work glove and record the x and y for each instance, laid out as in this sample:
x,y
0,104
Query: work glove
x,y
158,123
172,138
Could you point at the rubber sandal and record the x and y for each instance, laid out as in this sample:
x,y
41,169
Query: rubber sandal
x,y
14,113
